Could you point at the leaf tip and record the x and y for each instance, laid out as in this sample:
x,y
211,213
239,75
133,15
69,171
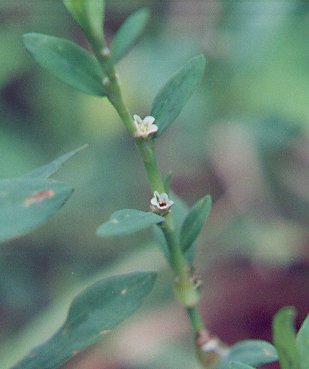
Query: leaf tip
x,y
26,37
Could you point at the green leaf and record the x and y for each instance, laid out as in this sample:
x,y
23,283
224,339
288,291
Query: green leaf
x,y
92,316
90,16
47,170
238,365
284,338
128,34
127,221
302,341
28,202
67,61
194,222
174,95
250,352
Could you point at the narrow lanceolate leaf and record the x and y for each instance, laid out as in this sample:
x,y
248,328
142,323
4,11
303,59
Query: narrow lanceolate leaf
x,y
250,352
28,202
49,169
194,222
284,338
238,365
92,316
67,61
128,221
174,95
90,16
302,341
128,34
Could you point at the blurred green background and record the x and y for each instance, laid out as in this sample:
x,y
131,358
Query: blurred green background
x,y
243,138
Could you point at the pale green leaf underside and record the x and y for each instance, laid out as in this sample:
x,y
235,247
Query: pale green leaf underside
x,y
90,16
92,316
302,341
250,352
128,34
284,338
127,221
174,95
28,202
49,169
67,61
194,222
238,365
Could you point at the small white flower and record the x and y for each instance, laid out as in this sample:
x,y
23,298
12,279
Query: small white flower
x,y
160,203
144,127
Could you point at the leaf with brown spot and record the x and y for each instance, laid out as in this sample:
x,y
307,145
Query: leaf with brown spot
x,y
27,203
92,315
38,197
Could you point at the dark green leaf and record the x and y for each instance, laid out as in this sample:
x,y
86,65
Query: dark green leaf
x,y
194,222
174,95
128,34
128,221
92,316
284,338
238,365
67,61
250,352
28,202
90,16
47,170
302,341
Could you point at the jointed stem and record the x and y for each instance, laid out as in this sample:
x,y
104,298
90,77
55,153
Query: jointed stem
x,y
185,289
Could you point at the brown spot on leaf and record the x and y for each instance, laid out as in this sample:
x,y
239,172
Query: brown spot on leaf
x,y
105,331
115,221
38,197
76,352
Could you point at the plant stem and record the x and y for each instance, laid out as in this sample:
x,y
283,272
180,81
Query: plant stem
x,y
196,319
184,288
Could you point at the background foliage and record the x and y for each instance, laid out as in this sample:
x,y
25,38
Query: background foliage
x,y
243,138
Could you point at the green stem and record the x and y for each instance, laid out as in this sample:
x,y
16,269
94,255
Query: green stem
x,y
185,290
178,260
146,151
196,319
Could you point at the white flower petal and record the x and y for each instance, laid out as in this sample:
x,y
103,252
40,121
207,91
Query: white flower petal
x,y
137,119
149,120
153,129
